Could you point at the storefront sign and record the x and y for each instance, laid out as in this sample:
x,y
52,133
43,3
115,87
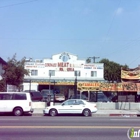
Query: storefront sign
x,y
129,86
46,82
132,74
100,86
96,86
63,65
93,66
66,69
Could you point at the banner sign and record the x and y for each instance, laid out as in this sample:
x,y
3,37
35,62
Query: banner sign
x,y
95,86
131,74
98,86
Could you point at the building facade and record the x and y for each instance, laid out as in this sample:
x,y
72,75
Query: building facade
x,y
61,72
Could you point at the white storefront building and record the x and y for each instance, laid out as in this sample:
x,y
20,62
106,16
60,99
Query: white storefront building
x,y
62,70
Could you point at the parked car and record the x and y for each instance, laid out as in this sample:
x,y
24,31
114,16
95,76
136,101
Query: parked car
x,y
72,106
36,96
101,97
47,95
79,97
15,102
59,97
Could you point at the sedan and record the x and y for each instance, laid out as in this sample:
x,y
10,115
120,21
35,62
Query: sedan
x,y
71,106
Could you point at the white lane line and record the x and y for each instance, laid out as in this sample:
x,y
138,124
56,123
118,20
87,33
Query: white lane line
x,y
69,127
8,119
125,119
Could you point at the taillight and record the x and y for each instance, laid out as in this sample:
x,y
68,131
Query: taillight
x,y
29,103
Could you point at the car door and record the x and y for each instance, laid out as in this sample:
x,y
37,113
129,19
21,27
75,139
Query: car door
x,y
5,102
78,106
2,103
67,107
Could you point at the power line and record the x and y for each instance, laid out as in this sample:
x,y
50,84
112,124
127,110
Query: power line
x,y
134,60
111,23
10,5
125,47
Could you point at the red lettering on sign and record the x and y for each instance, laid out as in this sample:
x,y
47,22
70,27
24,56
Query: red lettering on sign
x,y
61,69
70,69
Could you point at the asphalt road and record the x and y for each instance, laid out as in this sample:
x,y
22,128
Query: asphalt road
x,y
66,128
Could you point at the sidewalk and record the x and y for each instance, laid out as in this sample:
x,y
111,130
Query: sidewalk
x,y
102,113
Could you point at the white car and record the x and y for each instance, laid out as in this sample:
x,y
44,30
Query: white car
x,y
71,106
15,102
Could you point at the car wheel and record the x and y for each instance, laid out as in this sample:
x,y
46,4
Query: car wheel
x,y
18,112
53,112
86,112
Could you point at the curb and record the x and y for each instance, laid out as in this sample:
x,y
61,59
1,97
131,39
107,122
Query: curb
x,y
101,115
124,115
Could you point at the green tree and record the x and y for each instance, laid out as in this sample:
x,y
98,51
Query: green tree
x,y
2,85
14,72
112,70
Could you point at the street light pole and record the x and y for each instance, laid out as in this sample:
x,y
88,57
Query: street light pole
x,y
49,83
54,92
75,86
30,86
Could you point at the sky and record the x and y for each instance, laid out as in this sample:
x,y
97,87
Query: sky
x,y
39,29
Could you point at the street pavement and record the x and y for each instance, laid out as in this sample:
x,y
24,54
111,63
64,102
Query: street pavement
x,y
124,113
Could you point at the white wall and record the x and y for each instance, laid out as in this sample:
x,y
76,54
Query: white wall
x,y
26,86
73,62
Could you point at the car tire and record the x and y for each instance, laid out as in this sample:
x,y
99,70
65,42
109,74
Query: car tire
x,y
53,112
18,112
86,112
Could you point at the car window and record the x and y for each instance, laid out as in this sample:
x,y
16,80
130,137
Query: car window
x,y
69,102
37,94
5,96
79,102
19,97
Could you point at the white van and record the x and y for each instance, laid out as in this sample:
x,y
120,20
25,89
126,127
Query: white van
x,y
15,102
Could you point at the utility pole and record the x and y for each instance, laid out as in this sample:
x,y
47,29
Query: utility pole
x,y
54,82
94,58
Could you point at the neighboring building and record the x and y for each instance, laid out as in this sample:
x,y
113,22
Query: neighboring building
x,y
2,62
61,72
131,80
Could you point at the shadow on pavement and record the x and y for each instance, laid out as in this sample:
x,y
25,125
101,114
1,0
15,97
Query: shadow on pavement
x,y
66,115
10,114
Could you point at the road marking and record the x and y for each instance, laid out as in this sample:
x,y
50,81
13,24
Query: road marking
x,y
69,127
124,119
8,119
